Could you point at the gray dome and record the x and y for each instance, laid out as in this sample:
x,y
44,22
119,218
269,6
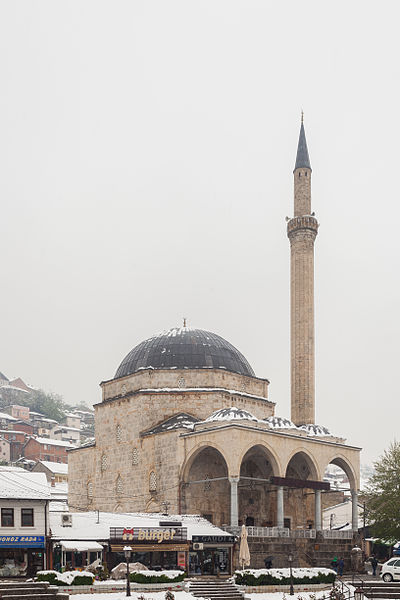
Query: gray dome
x,y
184,348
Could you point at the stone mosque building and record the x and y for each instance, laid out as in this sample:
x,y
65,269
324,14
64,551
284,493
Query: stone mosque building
x,y
185,425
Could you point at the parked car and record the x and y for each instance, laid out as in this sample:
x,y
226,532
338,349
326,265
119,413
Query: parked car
x,y
391,570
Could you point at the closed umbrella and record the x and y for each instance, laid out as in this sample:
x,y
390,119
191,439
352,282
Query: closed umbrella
x,y
244,553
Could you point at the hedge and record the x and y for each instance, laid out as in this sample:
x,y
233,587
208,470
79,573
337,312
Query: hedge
x,y
268,579
142,578
53,580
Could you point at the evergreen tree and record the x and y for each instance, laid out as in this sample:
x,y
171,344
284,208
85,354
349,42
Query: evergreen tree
x,y
383,495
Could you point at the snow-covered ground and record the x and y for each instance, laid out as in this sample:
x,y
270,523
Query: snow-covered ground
x,y
186,596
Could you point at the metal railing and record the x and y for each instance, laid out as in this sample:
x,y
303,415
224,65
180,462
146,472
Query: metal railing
x,y
337,534
303,533
260,531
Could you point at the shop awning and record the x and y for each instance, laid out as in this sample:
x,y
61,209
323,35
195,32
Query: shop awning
x,y
78,546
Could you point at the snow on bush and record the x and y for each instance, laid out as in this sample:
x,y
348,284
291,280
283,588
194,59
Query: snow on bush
x,y
282,576
66,578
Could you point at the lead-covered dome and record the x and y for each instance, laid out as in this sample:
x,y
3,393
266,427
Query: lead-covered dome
x,y
184,348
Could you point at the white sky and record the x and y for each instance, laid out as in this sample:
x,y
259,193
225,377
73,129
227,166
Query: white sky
x,y
146,157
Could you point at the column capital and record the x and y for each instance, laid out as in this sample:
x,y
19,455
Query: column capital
x,y
234,479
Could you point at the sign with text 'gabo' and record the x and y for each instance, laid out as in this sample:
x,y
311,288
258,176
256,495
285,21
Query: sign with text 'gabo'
x,y
149,535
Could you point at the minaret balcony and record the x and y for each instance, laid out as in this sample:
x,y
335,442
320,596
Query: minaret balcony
x,y
306,222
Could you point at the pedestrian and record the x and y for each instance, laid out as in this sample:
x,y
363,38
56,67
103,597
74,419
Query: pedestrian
x,y
340,566
334,564
374,563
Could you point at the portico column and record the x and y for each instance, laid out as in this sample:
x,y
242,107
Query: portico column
x,y
318,524
354,510
234,501
279,499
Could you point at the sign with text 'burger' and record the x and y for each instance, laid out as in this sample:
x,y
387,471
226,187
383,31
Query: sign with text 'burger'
x,y
149,535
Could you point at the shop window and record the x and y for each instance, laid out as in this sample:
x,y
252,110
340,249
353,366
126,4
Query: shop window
x,y
7,517
118,433
152,482
135,456
26,517
119,486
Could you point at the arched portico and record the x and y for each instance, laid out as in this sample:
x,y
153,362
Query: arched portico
x,y
344,464
256,495
205,485
299,499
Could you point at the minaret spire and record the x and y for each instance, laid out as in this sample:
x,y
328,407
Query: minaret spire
x,y
302,231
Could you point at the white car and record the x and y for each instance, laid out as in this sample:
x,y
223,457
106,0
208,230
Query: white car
x,y
391,569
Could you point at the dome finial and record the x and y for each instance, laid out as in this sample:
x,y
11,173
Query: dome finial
x,y
184,321
302,115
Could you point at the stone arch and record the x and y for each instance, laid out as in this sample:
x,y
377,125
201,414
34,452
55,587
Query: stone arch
x,y
341,461
256,495
205,485
299,501
273,458
299,459
191,457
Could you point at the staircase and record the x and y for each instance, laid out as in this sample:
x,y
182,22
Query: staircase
x,y
30,591
380,589
215,589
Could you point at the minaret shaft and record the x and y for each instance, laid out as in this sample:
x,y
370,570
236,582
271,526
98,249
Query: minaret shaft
x,y
302,231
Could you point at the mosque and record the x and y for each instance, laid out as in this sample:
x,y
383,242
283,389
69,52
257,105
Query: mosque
x,y
186,427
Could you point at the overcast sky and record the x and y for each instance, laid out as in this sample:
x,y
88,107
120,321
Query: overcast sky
x,y
146,158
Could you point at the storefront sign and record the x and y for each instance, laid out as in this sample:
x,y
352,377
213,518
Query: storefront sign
x,y
151,547
214,539
149,535
22,541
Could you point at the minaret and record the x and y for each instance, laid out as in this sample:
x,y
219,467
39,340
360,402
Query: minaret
x,y
302,231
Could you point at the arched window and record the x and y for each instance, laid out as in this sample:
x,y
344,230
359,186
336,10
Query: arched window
x,y
103,462
90,489
135,456
153,482
119,488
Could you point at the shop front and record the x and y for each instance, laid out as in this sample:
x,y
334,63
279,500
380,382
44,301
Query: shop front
x,y
21,555
159,548
211,555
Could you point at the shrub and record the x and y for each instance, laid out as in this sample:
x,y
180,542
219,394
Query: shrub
x,y
51,577
82,580
249,579
142,578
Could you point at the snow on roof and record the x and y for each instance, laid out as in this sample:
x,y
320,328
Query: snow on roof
x,y
65,428
279,423
85,525
179,421
232,413
24,485
236,414
315,430
73,415
15,388
51,442
55,467
12,469
6,416
203,389
78,546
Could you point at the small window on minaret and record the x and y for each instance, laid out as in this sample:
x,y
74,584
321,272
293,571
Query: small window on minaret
x,y
299,174
305,173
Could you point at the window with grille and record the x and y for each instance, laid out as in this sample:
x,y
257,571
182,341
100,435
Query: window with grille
x,y
135,456
119,486
103,462
153,482
118,433
90,489
207,483
181,382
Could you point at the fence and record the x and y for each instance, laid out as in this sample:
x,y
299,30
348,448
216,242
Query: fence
x,y
279,532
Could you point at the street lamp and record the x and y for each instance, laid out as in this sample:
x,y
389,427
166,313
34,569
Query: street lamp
x,y
128,552
290,559
358,594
